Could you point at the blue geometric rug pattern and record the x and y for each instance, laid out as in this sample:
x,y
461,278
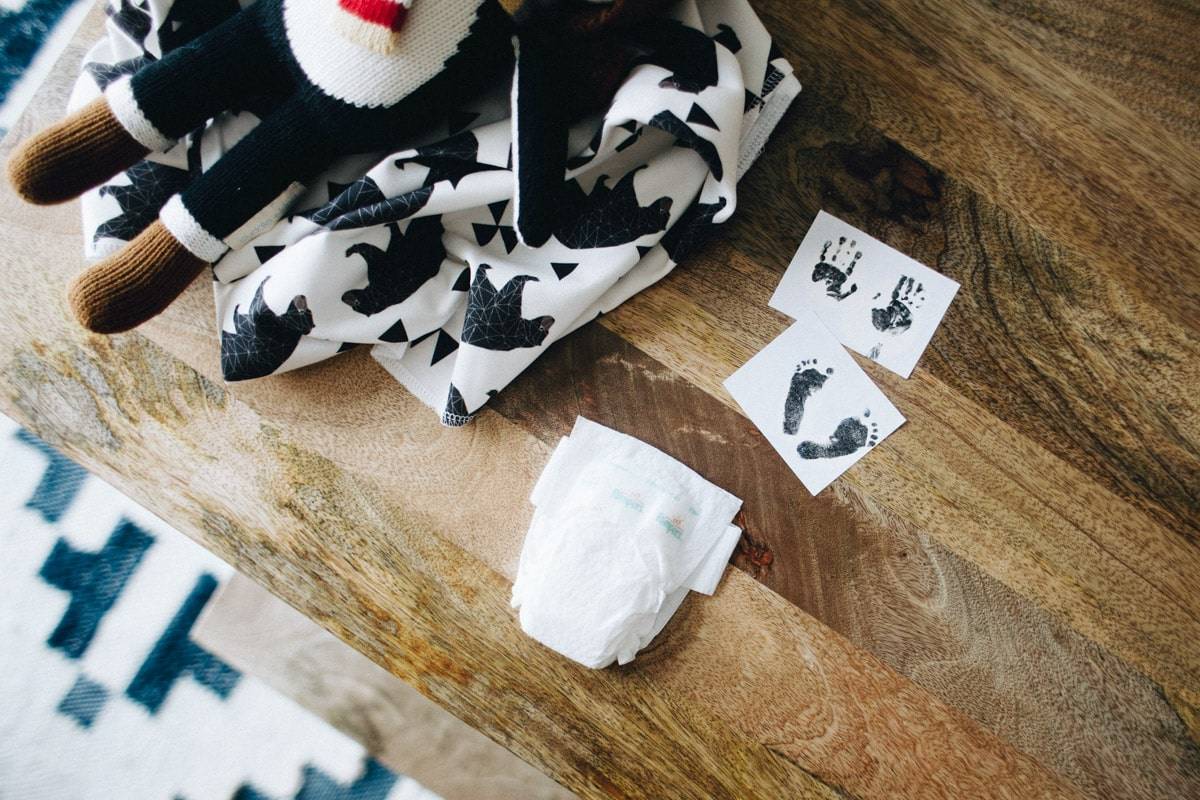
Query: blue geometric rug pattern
x,y
32,35
103,693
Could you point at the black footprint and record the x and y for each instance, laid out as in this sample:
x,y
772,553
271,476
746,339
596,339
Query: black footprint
x,y
805,380
830,271
850,436
896,316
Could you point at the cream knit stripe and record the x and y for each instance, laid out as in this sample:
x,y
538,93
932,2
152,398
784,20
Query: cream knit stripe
x,y
189,233
124,107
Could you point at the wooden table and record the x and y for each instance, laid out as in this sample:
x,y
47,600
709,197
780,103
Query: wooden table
x,y
1001,600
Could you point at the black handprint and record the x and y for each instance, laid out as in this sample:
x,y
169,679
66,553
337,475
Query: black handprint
x,y
896,317
829,271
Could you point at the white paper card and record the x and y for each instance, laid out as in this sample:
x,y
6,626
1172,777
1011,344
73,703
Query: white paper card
x,y
814,404
876,300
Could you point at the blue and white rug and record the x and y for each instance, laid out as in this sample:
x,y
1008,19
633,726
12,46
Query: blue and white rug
x,y
33,34
103,694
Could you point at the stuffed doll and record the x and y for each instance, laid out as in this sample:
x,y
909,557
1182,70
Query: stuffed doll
x,y
338,77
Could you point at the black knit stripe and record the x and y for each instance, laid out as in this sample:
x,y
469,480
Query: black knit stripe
x,y
219,71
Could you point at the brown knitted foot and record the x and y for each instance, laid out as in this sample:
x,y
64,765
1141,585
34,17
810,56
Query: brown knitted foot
x,y
136,283
73,155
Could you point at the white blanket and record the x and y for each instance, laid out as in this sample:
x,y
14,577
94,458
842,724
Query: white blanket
x,y
418,258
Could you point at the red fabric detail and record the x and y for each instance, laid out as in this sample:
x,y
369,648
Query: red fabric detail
x,y
387,13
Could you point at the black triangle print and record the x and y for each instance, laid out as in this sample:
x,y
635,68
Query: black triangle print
x,y
497,209
752,100
772,78
726,36
464,281
630,125
631,140
643,249
446,344
395,334
459,120
484,233
509,235
421,338
700,117
347,346
562,270
267,251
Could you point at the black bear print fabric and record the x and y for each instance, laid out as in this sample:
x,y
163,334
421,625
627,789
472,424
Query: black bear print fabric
x,y
493,318
262,339
415,253
394,274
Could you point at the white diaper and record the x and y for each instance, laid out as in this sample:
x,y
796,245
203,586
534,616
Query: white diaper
x,y
620,534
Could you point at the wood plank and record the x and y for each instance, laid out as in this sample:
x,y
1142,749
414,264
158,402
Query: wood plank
x,y
1051,450
884,584
954,86
1099,380
1035,336
1108,571
258,634
1105,42
358,560
364,566
388,557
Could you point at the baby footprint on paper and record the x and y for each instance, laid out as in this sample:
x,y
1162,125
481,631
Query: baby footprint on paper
x,y
896,316
835,272
805,380
850,436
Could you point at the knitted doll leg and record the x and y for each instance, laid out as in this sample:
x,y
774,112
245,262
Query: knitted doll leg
x,y
243,194
134,285
72,156
249,188
218,71
539,138
160,103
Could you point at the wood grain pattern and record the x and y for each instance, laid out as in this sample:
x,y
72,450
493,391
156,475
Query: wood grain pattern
x,y
259,635
955,86
1103,41
1001,601
883,583
1074,549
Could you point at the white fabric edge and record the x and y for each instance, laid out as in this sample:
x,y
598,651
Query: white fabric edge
x,y
189,233
124,106
515,150
410,381
754,141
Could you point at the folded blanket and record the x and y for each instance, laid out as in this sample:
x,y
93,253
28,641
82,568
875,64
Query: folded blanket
x,y
418,256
